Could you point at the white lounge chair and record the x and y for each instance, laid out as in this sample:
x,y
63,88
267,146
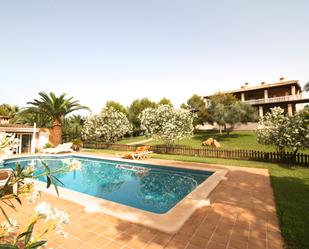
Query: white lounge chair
x,y
61,148
140,154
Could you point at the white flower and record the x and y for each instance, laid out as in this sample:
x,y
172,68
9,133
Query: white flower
x,y
44,209
29,181
109,125
31,166
72,164
9,228
167,123
34,194
58,217
75,165
61,216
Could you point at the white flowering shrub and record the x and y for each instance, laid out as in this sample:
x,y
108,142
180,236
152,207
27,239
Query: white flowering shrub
x,y
282,131
273,129
166,123
15,235
299,130
109,126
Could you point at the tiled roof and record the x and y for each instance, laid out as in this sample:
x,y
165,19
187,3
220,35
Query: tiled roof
x,y
16,126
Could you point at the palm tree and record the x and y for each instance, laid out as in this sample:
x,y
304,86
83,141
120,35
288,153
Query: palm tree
x,y
9,110
76,123
56,108
306,87
72,127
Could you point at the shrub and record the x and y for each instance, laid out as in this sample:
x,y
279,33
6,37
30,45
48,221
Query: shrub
x,y
166,123
282,131
109,126
48,145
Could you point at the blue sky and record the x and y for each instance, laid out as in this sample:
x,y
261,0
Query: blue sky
x,y
123,50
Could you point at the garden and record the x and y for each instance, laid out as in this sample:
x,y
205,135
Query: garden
x,y
170,126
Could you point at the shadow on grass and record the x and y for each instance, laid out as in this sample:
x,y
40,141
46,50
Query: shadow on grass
x,y
292,203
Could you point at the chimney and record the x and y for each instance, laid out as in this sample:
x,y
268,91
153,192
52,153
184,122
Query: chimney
x,y
281,78
263,83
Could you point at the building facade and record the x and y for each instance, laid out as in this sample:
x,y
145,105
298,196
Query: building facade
x,y
30,137
284,94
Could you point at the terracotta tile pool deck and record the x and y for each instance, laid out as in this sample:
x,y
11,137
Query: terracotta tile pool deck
x,y
241,215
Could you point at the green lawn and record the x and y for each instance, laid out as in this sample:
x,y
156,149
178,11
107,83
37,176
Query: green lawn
x,y
291,189
244,140
128,140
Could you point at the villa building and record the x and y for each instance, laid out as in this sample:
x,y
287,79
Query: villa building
x,y
30,137
284,94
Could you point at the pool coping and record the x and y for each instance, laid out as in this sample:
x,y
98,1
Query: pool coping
x,y
169,222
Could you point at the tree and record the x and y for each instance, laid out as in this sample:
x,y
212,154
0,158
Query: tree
x,y
165,101
226,111
9,110
56,108
282,131
166,123
109,126
197,105
135,109
72,127
117,106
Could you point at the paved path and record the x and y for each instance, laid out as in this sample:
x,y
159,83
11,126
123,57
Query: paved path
x,y
141,142
242,215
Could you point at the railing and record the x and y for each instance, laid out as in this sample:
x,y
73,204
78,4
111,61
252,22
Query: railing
x,y
275,157
273,100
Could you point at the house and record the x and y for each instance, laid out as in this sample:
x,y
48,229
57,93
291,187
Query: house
x,y
284,94
30,137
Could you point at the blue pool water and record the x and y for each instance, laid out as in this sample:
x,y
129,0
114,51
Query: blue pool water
x,y
149,187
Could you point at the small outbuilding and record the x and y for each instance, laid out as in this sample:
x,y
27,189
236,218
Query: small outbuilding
x,y
30,137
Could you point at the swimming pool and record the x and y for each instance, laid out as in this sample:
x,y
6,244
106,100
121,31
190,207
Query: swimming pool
x,y
151,188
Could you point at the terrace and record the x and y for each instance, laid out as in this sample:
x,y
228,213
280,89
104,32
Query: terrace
x,y
242,214
274,99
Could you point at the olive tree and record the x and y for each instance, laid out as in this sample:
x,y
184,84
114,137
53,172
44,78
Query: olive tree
x,y
167,123
196,104
108,126
226,111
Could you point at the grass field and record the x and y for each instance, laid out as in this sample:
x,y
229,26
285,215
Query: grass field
x,y
291,189
244,140
128,140
236,140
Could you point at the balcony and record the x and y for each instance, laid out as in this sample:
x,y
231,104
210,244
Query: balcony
x,y
274,99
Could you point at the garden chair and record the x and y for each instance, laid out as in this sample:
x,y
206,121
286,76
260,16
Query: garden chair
x,y
141,153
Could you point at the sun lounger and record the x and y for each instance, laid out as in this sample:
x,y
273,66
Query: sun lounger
x,y
141,153
61,148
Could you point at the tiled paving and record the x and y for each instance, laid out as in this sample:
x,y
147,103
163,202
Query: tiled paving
x,y
241,216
